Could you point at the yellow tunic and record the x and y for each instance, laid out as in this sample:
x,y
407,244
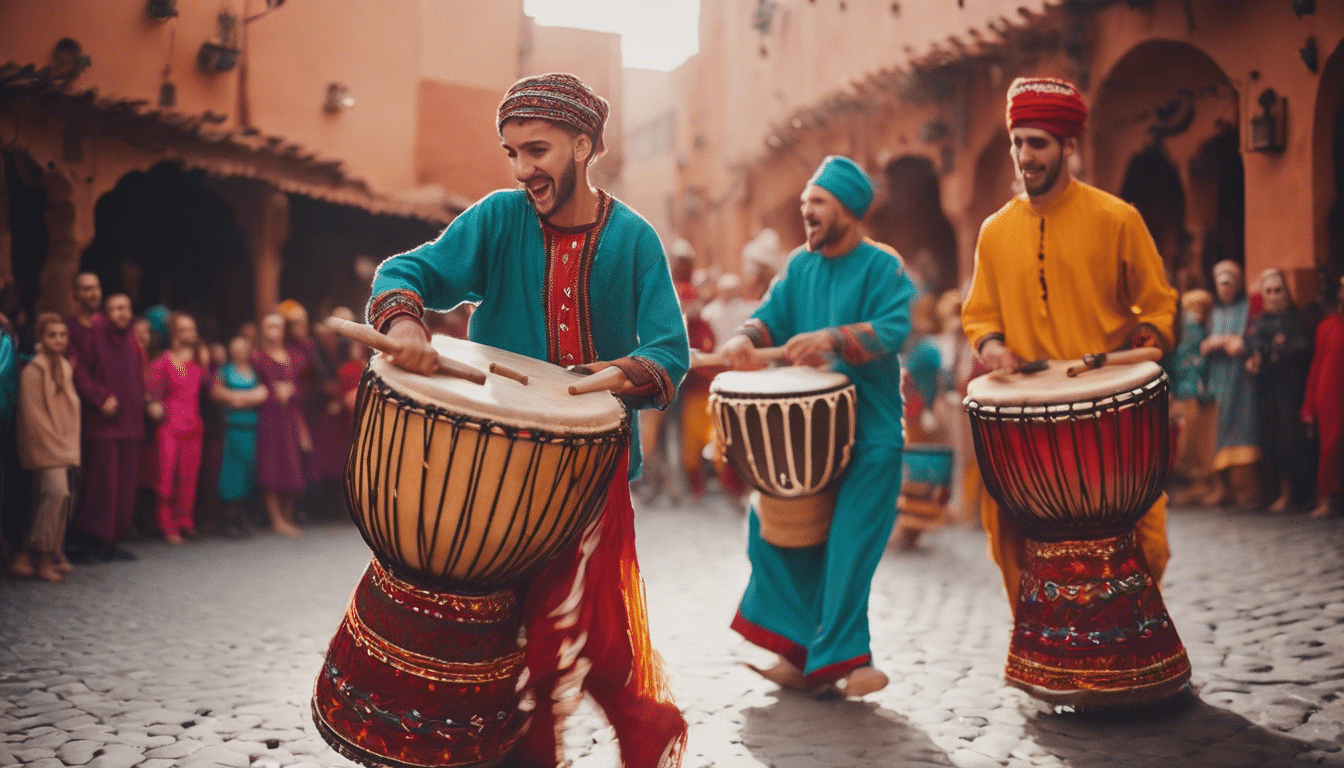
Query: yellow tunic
x,y
1078,275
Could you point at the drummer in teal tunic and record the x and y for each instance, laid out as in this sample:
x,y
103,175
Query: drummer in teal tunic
x,y
842,301
564,272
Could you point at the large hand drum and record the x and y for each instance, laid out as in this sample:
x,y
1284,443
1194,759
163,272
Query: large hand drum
x,y
455,484
1077,462
789,433
462,490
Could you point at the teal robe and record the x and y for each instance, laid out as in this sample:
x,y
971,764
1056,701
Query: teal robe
x,y
810,604
493,255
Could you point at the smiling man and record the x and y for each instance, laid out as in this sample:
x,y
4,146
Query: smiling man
x,y
845,302
564,272
1062,271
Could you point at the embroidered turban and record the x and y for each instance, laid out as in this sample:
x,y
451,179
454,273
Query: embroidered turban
x,y
1047,103
844,178
560,98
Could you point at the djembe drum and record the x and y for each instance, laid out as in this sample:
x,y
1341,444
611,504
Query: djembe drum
x,y
789,433
926,485
462,491
1077,462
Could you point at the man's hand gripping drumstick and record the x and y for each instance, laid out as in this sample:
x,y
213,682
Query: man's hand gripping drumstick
x,y
407,346
1122,357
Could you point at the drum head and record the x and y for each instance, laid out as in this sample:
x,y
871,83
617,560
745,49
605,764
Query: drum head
x,y
790,380
1053,386
543,403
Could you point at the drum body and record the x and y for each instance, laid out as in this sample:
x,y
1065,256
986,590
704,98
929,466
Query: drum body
x,y
462,491
789,432
1076,463
926,485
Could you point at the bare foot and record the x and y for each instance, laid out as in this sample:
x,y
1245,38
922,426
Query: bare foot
x,y
172,538
1322,511
1279,506
63,566
22,565
782,674
288,529
863,681
47,572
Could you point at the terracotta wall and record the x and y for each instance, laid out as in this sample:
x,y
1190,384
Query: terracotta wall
x,y
471,43
648,180
457,146
594,57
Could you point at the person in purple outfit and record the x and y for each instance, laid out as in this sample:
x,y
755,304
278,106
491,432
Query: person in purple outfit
x,y
110,380
282,435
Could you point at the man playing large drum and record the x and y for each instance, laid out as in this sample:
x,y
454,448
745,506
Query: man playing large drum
x,y
564,272
844,298
1065,271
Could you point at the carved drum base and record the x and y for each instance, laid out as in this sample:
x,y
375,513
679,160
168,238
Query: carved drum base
x,y
1091,629
417,677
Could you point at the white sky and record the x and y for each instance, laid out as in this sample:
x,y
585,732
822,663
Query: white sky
x,y
655,34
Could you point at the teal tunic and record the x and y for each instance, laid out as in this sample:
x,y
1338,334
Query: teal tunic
x,y
493,255
1229,381
238,465
810,604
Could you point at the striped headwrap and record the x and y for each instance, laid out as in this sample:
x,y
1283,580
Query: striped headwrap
x,y
558,97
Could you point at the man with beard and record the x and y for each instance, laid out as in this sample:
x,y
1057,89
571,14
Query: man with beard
x,y
110,379
87,290
845,302
564,272
1063,271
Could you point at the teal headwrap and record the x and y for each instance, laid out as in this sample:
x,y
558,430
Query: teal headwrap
x,y
844,178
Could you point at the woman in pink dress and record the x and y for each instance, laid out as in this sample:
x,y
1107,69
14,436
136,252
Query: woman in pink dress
x,y
174,387
282,435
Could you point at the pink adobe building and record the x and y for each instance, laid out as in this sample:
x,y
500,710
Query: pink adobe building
x,y
217,157
1220,121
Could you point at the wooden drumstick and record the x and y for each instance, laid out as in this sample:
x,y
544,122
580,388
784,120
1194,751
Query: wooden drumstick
x,y
1124,356
369,337
606,379
509,373
704,359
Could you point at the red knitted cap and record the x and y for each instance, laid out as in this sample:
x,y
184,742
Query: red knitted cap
x,y
1048,103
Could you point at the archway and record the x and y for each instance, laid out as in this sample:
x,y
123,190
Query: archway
x,y
1328,157
163,236
26,196
1153,185
911,220
1218,190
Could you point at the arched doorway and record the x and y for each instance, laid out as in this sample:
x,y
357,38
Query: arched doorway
x,y
1153,185
163,236
26,196
1218,184
911,220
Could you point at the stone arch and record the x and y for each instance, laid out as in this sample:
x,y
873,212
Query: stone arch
x,y
911,220
23,204
165,236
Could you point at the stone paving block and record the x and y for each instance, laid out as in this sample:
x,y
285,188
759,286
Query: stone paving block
x,y
177,749
29,754
965,758
117,756
219,755
157,763
48,740
77,752
46,762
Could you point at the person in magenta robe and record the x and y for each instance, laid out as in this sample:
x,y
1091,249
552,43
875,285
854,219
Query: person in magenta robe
x,y
110,380
87,291
282,435
175,380
1323,409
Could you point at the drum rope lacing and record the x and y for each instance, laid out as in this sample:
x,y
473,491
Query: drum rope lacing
x,y
1056,501
791,484
378,462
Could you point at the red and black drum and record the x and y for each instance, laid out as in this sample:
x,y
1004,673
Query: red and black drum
x,y
789,433
1077,461
462,491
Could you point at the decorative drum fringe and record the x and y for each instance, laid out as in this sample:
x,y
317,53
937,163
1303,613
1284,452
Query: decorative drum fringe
x,y
800,522
417,677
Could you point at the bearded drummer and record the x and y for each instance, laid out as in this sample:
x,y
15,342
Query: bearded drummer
x,y
845,302
1060,272
564,272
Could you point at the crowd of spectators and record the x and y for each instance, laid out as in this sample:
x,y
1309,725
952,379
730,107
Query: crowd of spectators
x,y
118,427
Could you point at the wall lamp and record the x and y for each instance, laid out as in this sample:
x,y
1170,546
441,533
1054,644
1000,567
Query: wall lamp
x,y
1269,128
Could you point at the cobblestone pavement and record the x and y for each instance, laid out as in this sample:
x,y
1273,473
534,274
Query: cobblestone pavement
x,y
205,655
